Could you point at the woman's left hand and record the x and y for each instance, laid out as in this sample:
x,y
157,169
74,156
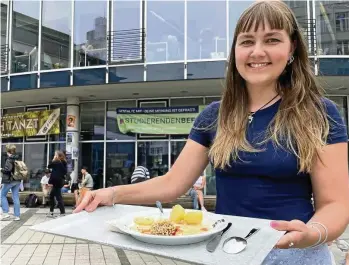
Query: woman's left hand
x,y
299,234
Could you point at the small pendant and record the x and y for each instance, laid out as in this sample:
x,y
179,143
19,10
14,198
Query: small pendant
x,y
250,118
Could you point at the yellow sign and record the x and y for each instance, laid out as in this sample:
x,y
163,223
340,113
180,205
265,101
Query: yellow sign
x,y
31,123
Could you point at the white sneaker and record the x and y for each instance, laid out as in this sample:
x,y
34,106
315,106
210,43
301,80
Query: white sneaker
x,y
17,218
5,216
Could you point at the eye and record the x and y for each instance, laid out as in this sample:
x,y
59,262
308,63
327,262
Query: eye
x,y
272,40
246,42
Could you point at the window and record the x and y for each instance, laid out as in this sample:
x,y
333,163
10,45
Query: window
x,y
56,34
120,163
90,29
342,21
165,31
92,121
206,30
35,157
4,39
176,149
92,156
25,36
113,132
154,156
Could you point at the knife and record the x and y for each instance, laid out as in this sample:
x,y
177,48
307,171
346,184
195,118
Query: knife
x,y
214,242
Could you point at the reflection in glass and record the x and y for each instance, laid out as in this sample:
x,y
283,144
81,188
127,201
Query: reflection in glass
x,y
165,31
90,29
154,156
176,149
91,156
4,48
113,132
35,157
332,27
120,163
25,36
206,30
92,121
56,34
342,106
4,6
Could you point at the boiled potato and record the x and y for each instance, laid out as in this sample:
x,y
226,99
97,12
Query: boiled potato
x,y
193,217
143,220
177,213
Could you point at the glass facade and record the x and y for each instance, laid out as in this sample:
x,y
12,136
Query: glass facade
x,y
129,41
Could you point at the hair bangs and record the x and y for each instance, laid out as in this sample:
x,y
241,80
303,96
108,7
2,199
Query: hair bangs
x,y
263,14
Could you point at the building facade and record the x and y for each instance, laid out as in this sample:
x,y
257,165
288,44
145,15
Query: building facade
x,y
89,58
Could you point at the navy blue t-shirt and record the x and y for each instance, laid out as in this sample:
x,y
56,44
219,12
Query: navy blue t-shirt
x,y
268,186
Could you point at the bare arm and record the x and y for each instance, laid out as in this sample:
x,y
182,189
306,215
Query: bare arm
x,y
331,190
190,164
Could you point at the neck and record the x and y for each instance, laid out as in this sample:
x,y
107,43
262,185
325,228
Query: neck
x,y
260,95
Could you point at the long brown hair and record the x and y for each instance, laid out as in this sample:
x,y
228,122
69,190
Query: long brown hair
x,y
300,125
60,156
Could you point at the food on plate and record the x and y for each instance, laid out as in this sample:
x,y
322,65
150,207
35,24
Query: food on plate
x,y
143,220
163,228
193,218
177,213
179,222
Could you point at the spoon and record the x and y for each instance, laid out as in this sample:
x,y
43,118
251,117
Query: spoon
x,y
159,206
235,244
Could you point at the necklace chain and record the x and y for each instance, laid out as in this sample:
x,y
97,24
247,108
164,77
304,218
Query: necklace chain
x,y
250,116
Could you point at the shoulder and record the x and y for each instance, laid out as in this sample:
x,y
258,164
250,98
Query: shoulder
x,y
208,116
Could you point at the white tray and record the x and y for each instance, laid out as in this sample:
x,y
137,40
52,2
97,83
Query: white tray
x,y
93,227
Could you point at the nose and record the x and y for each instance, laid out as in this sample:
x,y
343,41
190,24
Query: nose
x,y
258,50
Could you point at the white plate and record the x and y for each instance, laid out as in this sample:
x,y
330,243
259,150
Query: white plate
x,y
124,224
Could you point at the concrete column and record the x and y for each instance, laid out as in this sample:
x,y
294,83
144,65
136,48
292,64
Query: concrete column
x,y
73,136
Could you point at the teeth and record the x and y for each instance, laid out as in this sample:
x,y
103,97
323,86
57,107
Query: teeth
x,y
256,65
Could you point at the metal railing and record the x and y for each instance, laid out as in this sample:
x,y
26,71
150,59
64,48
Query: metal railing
x,y
4,58
309,31
126,45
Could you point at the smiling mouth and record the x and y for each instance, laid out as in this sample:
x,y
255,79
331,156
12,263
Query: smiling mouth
x,y
258,65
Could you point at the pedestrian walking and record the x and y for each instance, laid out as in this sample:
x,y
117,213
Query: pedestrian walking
x,y
58,168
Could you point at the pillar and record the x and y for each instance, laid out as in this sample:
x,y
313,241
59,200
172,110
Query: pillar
x,y
73,136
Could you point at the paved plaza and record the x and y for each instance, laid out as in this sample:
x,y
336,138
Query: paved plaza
x,y
22,246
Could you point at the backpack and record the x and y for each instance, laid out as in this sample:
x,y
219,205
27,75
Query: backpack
x,y
20,171
31,201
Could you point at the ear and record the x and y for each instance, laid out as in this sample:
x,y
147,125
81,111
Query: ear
x,y
293,47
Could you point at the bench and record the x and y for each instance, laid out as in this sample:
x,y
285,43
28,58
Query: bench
x,y
69,200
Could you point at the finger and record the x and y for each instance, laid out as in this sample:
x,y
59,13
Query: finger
x,y
294,225
93,205
84,203
290,240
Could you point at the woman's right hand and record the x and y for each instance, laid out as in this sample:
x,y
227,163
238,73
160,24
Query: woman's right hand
x,y
92,199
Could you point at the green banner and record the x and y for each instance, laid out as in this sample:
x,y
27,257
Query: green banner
x,y
31,123
171,120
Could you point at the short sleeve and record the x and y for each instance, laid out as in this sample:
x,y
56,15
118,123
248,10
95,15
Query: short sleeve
x,y
338,129
204,126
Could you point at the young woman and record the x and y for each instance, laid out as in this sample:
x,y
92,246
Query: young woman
x,y
10,184
59,170
274,140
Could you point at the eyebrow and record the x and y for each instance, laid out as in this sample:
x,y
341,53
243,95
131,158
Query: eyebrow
x,y
249,36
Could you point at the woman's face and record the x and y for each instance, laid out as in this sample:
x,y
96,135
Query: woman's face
x,y
261,56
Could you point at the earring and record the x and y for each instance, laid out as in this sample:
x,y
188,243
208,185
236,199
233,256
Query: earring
x,y
290,60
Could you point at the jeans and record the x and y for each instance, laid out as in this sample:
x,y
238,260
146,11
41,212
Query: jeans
x,y
14,187
194,196
56,193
